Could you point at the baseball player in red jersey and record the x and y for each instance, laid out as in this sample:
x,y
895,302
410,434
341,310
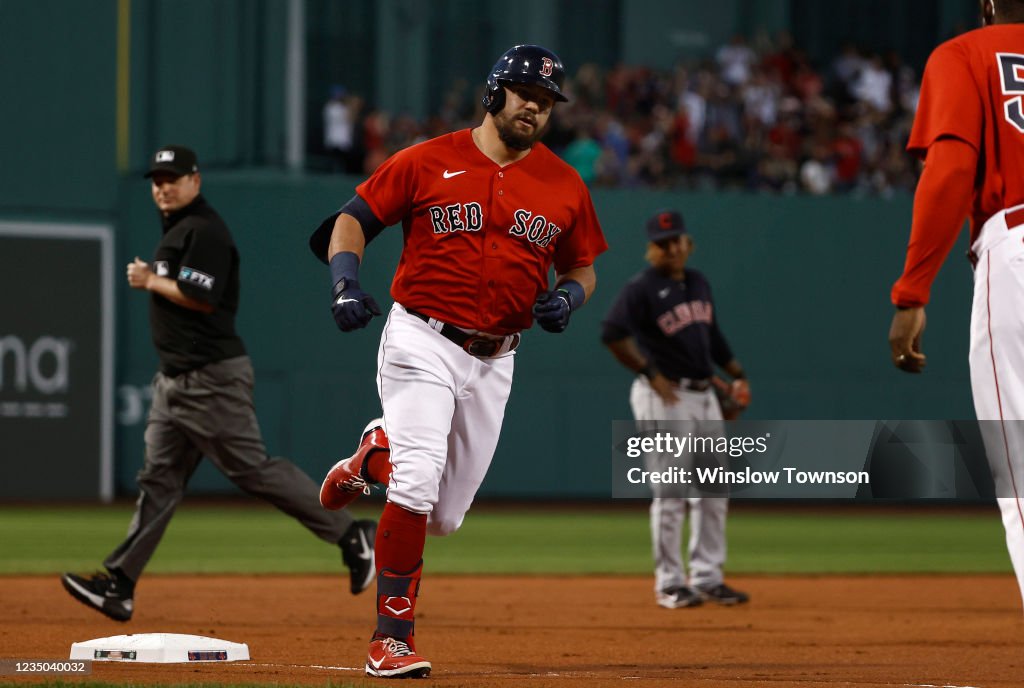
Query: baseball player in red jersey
x,y
485,213
969,129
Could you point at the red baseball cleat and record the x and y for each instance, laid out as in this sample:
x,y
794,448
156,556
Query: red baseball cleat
x,y
344,482
392,658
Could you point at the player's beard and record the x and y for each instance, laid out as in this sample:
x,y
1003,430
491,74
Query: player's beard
x,y
511,137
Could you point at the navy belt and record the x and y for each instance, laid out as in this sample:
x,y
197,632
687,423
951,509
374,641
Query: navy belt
x,y
472,344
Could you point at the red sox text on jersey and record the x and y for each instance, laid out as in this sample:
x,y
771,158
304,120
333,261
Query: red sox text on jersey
x,y
480,238
468,217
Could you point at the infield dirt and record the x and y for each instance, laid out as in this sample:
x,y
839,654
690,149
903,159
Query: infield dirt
x,y
557,631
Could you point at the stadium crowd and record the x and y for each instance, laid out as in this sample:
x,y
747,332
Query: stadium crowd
x,y
757,117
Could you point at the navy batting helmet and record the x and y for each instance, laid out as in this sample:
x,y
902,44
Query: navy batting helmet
x,y
524,64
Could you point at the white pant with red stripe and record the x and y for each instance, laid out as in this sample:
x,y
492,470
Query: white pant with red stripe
x,y
997,369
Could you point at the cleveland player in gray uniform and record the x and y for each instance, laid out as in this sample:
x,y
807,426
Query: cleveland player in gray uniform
x,y
203,395
663,327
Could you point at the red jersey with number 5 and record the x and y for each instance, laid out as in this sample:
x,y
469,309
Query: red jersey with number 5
x,y
479,239
973,90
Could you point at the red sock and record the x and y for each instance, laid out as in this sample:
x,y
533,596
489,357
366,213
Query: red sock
x,y
401,535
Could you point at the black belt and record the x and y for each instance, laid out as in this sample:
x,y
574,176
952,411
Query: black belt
x,y
695,385
472,344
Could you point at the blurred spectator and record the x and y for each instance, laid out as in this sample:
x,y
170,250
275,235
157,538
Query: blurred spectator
x,y
683,151
340,114
873,85
693,99
846,67
761,100
847,151
612,167
375,134
806,83
735,61
775,171
906,88
723,115
816,173
583,154
780,62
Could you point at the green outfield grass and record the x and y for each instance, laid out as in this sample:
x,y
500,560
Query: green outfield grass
x,y
522,539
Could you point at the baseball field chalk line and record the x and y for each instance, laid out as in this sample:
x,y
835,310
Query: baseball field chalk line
x,y
300,666
932,685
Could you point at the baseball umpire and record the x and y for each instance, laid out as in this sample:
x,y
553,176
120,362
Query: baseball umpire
x,y
203,395
663,327
485,213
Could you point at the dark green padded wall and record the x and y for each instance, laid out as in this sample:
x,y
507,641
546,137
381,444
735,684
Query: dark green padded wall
x,y
57,68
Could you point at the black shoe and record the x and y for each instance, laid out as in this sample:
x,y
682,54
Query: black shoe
x,y
357,553
723,594
103,592
680,596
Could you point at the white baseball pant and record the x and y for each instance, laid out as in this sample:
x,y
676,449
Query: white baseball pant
x,y
997,368
443,410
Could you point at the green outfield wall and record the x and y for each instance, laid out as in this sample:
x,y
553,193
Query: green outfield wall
x,y
801,286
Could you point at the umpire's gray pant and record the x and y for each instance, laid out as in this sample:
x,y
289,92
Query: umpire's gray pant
x,y
707,547
209,412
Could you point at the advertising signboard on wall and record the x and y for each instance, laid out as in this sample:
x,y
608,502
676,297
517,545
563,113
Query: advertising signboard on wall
x,y
56,361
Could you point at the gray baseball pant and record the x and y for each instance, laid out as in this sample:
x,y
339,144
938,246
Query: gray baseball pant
x,y
210,412
707,546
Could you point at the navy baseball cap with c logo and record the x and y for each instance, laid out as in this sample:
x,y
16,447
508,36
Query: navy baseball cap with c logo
x,y
176,160
665,224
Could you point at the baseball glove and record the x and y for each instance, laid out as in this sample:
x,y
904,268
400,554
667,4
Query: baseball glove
x,y
733,397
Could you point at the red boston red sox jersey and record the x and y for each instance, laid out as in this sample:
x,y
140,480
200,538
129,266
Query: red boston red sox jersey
x,y
479,238
972,90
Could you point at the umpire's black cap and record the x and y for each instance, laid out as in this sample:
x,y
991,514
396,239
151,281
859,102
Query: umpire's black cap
x,y
176,160
665,224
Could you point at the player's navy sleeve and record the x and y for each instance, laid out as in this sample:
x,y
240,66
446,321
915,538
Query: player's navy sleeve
x,y
205,264
320,240
360,210
721,354
619,323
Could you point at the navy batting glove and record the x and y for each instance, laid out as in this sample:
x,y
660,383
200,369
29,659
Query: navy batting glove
x,y
551,310
352,307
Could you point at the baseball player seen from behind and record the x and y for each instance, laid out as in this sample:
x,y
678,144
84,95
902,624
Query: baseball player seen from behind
x,y
202,395
969,129
663,327
485,213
